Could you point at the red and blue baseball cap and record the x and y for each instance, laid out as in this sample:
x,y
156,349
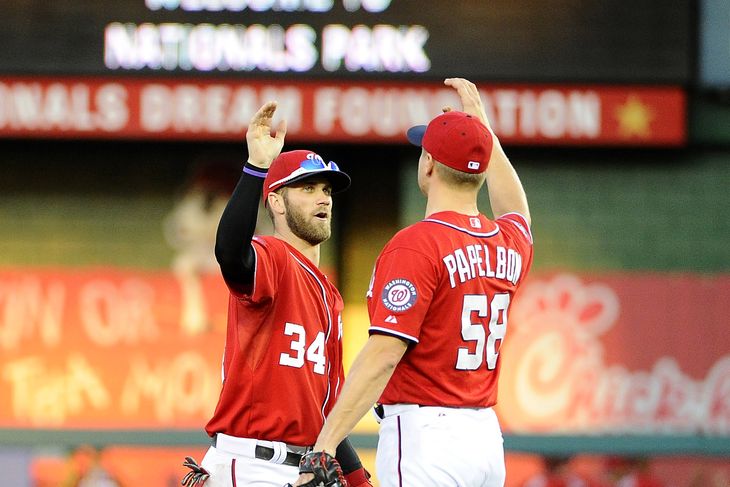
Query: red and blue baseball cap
x,y
297,165
455,139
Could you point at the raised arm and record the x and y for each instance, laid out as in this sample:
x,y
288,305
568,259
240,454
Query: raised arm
x,y
506,193
236,228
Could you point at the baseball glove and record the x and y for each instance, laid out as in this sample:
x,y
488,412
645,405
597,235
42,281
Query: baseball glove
x,y
324,467
197,474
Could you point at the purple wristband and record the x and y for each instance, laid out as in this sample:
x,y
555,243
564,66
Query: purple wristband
x,y
254,171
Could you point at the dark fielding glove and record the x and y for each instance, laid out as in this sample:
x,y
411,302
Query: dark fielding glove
x,y
196,476
326,470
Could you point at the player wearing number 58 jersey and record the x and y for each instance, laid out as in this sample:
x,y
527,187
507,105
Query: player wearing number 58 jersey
x,y
445,286
282,364
439,305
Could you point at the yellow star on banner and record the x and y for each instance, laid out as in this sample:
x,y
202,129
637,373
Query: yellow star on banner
x,y
634,118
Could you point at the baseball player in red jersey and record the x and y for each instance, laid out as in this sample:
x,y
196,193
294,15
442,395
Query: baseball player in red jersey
x,y
439,303
282,365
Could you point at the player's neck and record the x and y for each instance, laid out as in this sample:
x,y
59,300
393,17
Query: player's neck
x,y
309,251
442,198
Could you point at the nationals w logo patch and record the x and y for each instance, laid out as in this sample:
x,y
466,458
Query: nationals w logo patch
x,y
399,295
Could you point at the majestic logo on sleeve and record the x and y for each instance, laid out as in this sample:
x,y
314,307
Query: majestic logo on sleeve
x,y
399,295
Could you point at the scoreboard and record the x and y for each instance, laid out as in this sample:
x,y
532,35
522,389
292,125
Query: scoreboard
x,y
490,40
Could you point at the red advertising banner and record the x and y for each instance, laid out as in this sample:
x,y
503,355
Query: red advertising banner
x,y
621,353
215,109
618,354
107,349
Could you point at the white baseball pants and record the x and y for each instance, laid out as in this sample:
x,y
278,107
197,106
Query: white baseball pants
x,y
440,447
235,465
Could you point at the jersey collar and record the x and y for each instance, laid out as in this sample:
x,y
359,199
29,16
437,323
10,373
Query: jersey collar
x,y
478,225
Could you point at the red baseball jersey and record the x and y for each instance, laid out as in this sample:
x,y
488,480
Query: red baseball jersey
x,y
282,368
445,284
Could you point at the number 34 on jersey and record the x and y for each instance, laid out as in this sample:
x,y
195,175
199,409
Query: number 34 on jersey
x,y
303,350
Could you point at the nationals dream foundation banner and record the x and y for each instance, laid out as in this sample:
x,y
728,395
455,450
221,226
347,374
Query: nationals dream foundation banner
x,y
207,109
124,349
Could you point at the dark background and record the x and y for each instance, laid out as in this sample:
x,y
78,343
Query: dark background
x,y
642,41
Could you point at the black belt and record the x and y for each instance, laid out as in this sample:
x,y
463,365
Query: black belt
x,y
266,453
380,411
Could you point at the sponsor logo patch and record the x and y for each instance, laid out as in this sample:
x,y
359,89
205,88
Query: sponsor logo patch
x,y
399,295
474,165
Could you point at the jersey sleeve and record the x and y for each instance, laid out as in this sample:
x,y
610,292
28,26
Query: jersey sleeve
x,y
270,262
517,232
402,288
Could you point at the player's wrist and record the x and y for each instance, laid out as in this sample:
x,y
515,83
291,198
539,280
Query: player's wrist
x,y
254,170
259,163
325,447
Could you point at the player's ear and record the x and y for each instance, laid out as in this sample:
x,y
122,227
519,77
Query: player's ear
x,y
428,164
275,201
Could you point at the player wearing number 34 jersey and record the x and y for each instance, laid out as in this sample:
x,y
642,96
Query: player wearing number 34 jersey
x,y
439,303
307,364
282,363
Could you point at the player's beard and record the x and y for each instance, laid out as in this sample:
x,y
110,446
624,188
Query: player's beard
x,y
308,229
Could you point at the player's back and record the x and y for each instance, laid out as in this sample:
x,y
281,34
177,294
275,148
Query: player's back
x,y
464,271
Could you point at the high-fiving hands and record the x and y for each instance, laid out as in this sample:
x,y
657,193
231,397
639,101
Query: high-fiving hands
x,y
471,102
262,146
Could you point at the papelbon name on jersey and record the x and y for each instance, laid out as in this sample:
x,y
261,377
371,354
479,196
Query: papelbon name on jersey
x,y
474,261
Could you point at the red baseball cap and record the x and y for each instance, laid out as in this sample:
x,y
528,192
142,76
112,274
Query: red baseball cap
x,y
296,165
455,139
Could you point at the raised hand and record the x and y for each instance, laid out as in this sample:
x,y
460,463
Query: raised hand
x,y
470,100
262,146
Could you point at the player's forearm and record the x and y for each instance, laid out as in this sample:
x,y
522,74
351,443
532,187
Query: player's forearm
x,y
506,193
367,379
237,226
